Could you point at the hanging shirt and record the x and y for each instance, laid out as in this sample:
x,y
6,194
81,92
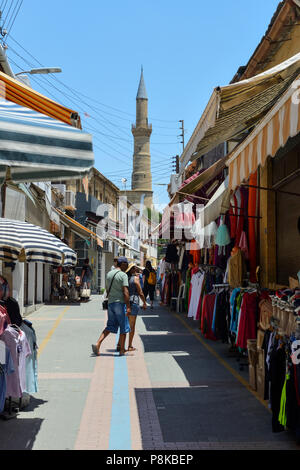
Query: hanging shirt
x,y
31,360
236,269
17,343
6,369
196,283
4,318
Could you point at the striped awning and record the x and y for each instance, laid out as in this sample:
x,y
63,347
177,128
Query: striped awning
x,y
24,242
39,148
218,204
234,109
272,133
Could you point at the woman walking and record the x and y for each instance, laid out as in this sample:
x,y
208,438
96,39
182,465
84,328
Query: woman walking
x,y
149,280
135,294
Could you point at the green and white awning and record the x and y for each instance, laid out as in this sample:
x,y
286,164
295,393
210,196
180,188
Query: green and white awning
x,y
39,148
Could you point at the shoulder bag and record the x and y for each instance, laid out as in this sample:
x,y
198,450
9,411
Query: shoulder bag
x,y
105,302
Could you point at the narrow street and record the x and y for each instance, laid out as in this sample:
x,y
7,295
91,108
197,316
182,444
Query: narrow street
x,y
177,391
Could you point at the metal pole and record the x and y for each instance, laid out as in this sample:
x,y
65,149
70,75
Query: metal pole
x,y
271,189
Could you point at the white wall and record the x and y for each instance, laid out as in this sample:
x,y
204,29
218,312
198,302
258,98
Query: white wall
x,y
31,283
18,285
40,283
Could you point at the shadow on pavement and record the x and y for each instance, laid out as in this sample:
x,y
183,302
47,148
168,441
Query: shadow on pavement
x,y
33,404
214,406
191,415
19,433
74,304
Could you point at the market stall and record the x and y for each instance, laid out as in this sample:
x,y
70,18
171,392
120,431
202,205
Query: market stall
x,y
22,242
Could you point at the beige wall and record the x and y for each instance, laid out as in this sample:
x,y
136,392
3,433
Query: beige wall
x,y
100,188
289,47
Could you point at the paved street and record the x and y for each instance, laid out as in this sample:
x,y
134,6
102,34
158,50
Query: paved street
x,y
177,391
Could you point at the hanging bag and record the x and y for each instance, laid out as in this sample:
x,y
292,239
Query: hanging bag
x,y
105,301
85,292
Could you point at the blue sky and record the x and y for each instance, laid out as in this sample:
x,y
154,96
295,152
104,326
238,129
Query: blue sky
x,y
186,48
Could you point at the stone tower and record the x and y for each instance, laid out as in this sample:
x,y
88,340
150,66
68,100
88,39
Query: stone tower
x,y
141,182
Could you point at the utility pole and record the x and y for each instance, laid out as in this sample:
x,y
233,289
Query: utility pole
x,y
175,164
182,134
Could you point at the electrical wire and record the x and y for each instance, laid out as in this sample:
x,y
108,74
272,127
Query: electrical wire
x,y
4,21
154,167
82,94
11,23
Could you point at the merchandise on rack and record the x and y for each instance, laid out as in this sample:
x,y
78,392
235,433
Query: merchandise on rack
x,y
18,358
278,368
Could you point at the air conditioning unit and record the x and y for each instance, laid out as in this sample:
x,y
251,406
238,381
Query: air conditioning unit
x,y
107,246
70,200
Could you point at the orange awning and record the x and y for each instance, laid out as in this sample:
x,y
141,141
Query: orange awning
x,y
19,93
272,133
78,228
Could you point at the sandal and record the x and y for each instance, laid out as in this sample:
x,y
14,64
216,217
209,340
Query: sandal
x,y
118,348
95,350
122,352
131,348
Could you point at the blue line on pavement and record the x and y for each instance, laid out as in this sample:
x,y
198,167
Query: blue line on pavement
x,y
120,431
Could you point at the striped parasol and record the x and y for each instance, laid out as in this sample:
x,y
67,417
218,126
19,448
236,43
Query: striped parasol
x,y
21,241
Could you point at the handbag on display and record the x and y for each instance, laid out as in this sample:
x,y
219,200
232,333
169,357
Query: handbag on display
x,y
85,292
105,301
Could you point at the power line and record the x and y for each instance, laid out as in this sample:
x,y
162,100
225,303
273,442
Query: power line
x,y
17,9
82,94
4,21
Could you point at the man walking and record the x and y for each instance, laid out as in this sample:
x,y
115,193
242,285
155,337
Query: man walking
x,y
118,306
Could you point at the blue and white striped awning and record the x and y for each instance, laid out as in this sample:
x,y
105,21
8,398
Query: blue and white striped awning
x,y
39,148
21,241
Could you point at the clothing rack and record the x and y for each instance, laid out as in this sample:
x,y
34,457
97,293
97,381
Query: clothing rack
x,y
210,266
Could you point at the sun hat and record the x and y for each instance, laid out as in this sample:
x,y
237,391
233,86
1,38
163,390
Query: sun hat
x,y
132,265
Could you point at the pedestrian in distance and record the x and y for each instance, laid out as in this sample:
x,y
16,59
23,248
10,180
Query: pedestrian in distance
x,y
86,273
135,294
149,281
115,265
118,306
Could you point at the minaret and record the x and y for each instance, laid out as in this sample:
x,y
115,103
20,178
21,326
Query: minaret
x,y
141,174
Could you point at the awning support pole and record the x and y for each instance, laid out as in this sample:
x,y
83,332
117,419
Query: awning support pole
x,y
271,189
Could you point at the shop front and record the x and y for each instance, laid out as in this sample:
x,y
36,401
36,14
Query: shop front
x,y
236,269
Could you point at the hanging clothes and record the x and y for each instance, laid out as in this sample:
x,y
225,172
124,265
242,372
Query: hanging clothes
x,y
240,213
6,369
4,317
253,202
277,374
222,238
207,316
16,341
243,245
236,268
196,288
171,254
31,360
247,328
221,316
